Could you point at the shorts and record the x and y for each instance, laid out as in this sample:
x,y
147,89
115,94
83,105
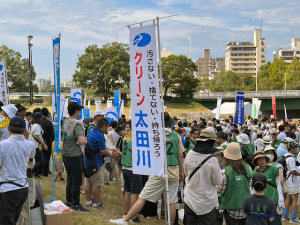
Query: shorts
x,y
59,166
132,182
96,180
156,186
286,188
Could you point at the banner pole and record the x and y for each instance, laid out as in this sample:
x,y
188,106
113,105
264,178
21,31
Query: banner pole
x,y
168,221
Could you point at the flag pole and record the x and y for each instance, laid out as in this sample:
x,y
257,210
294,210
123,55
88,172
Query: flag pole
x,y
168,220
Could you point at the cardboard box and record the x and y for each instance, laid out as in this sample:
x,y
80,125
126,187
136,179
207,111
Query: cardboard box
x,y
59,219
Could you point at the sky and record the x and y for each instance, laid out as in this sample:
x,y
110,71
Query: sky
x,y
210,24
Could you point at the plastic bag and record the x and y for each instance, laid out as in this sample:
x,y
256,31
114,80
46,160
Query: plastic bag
x,y
56,207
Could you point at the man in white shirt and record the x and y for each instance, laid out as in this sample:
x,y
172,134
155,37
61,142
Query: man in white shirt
x,y
14,155
200,194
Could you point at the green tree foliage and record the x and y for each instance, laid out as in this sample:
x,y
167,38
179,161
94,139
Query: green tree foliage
x,y
229,81
276,74
293,75
17,70
51,89
103,69
178,76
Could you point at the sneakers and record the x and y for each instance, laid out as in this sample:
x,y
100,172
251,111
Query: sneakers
x,y
285,218
97,206
88,203
79,208
296,220
69,204
135,220
119,221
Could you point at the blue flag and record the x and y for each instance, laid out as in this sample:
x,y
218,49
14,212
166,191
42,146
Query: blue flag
x,y
239,109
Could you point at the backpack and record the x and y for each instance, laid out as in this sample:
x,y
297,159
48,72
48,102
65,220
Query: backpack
x,y
283,162
90,125
89,152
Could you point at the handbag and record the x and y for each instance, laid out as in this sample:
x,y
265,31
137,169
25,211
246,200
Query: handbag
x,y
90,170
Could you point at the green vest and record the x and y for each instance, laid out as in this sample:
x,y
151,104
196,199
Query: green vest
x,y
126,158
232,140
276,143
65,136
271,172
191,146
236,190
250,148
172,142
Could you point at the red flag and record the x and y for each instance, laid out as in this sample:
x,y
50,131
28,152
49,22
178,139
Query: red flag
x,y
274,106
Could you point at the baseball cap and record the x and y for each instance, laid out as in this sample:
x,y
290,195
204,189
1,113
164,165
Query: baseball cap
x,y
21,109
17,122
207,134
99,112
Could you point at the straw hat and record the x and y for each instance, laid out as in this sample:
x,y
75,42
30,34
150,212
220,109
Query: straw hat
x,y
273,131
259,154
267,140
243,139
233,151
207,134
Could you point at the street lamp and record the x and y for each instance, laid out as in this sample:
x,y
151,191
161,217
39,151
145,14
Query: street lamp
x,y
284,81
190,39
30,68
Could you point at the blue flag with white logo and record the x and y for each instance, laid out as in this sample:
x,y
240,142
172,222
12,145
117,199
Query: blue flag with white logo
x,y
239,108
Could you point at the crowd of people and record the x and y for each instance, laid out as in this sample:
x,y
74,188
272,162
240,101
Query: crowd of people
x,y
218,171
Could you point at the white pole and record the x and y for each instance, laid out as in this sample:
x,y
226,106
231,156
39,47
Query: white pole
x,y
163,124
284,81
190,46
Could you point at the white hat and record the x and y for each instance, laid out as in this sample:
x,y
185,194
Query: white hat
x,y
243,139
99,112
10,110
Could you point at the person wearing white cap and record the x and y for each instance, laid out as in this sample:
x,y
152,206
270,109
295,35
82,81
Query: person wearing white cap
x,y
98,115
246,147
9,111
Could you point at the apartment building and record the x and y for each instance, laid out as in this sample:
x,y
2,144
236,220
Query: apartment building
x,y
288,54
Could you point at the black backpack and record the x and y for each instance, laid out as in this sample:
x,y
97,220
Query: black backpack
x,y
282,161
86,129
89,152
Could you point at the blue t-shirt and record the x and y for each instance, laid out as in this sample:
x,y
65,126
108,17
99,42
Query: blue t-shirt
x,y
95,140
281,150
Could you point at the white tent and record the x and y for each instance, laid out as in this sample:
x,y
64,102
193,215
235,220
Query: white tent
x,y
229,108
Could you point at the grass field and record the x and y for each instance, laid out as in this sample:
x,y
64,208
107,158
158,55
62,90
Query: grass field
x,y
111,196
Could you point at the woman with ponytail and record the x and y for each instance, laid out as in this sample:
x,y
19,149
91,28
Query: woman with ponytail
x,y
235,187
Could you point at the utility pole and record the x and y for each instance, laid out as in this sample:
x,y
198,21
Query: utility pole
x,y
30,69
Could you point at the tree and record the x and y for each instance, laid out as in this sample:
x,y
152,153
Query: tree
x,y
263,77
293,75
276,74
104,69
17,70
178,76
231,81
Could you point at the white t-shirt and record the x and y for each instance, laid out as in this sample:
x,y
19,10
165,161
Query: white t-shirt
x,y
14,155
36,129
4,133
291,165
113,137
200,193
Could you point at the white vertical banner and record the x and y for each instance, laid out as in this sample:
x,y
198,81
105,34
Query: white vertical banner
x,y
65,112
84,100
89,104
3,84
255,107
147,136
76,97
98,105
121,107
219,103
109,104
285,113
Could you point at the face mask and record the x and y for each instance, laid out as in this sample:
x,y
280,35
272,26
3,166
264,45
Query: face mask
x,y
271,157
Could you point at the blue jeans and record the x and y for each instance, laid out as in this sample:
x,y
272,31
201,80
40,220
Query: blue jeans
x,y
39,162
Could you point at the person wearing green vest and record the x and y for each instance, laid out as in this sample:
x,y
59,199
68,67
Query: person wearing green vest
x,y
98,115
235,133
236,185
133,183
275,141
246,148
222,139
155,186
273,189
73,141
191,140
